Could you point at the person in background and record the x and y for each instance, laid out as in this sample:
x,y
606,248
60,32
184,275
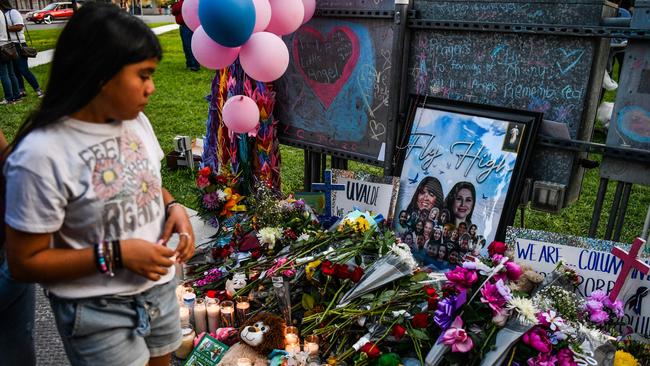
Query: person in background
x,y
186,37
7,77
86,214
17,304
16,26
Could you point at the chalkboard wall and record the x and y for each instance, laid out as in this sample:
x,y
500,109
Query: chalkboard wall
x,y
584,12
335,95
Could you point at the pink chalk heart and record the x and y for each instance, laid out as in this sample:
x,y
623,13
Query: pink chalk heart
x,y
325,63
634,122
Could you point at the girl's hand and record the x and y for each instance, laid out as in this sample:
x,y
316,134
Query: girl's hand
x,y
146,258
179,222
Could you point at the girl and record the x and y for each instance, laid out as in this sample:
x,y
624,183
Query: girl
x,y
7,77
86,214
460,202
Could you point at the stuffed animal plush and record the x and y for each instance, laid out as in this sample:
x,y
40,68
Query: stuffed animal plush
x,y
528,281
259,335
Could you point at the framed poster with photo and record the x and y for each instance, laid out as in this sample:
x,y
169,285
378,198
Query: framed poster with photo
x,y
463,166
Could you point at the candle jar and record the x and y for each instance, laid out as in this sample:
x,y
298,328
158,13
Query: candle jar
x,y
291,336
244,362
311,345
227,314
189,298
200,316
292,348
214,312
185,314
187,342
243,308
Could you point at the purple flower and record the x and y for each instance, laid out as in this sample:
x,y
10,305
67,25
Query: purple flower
x,y
616,307
491,296
543,359
504,290
211,200
537,339
593,305
598,316
598,295
565,358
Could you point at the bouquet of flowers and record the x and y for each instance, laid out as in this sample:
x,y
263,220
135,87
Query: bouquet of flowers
x,y
217,197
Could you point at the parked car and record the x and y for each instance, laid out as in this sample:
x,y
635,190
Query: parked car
x,y
52,12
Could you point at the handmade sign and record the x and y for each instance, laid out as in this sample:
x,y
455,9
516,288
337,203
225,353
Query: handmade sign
x,y
207,352
327,187
315,200
461,177
596,266
364,192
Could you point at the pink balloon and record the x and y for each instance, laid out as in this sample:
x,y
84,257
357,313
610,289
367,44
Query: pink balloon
x,y
190,11
310,8
286,16
264,57
241,114
262,15
210,53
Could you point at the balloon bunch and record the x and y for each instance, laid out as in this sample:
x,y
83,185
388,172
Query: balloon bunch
x,y
250,30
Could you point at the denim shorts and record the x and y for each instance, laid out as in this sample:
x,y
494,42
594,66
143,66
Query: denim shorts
x,y
119,330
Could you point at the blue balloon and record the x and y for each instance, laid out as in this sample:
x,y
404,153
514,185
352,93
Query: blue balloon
x,y
228,22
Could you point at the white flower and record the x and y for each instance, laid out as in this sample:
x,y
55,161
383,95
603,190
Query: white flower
x,y
269,235
526,309
303,237
551,317
404,253
221,195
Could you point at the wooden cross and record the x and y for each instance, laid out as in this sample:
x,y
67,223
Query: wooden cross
x,y
327,187
629,262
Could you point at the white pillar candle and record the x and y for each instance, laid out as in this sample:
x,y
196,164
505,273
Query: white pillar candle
x,y
187,343
292,348
200,316
292,339
311,345
185,315
214,311
243,307
180,290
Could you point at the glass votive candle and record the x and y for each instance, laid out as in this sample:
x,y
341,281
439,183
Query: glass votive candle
x,y
244,362
214,311
291,336
227,314
243,308
311,345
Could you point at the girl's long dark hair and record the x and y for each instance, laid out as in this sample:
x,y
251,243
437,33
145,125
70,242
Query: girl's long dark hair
x,y
96,43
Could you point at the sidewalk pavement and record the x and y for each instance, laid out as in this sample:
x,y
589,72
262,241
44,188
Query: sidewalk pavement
x,y
45,57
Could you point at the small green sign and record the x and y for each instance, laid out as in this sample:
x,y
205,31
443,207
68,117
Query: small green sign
x,y
208,352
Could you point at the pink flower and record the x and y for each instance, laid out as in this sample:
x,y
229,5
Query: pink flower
x,y
537,339
616,307
565,358
513,271
147,189
131,147
490,295
500,318
543,360
598,316
202,181
457,337
598,295
107,178
462,278
593,305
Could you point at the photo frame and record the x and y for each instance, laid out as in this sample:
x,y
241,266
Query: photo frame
x,y
462,166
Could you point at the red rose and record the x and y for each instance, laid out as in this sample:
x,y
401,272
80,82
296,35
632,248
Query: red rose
x,y
256,253
420,320
497,247
371,350
432,302
398,331
431,291
357,274
221,179
290,234
205,171
327,268
342,271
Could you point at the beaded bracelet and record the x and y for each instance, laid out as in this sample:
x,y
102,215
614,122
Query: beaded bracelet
x,y
105,258
101,258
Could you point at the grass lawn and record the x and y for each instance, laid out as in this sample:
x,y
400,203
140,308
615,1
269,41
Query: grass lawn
x,y
179,107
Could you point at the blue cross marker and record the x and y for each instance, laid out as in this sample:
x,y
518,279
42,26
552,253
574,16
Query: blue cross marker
x,y
328,187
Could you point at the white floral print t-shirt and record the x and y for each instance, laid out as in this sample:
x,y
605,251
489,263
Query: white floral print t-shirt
x,y
86,182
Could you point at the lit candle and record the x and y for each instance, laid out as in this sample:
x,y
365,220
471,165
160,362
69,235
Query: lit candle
x,y
291,336
213,309
292,348
242,309
227,314
244,362
185,315
187,342
311,345
200,316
